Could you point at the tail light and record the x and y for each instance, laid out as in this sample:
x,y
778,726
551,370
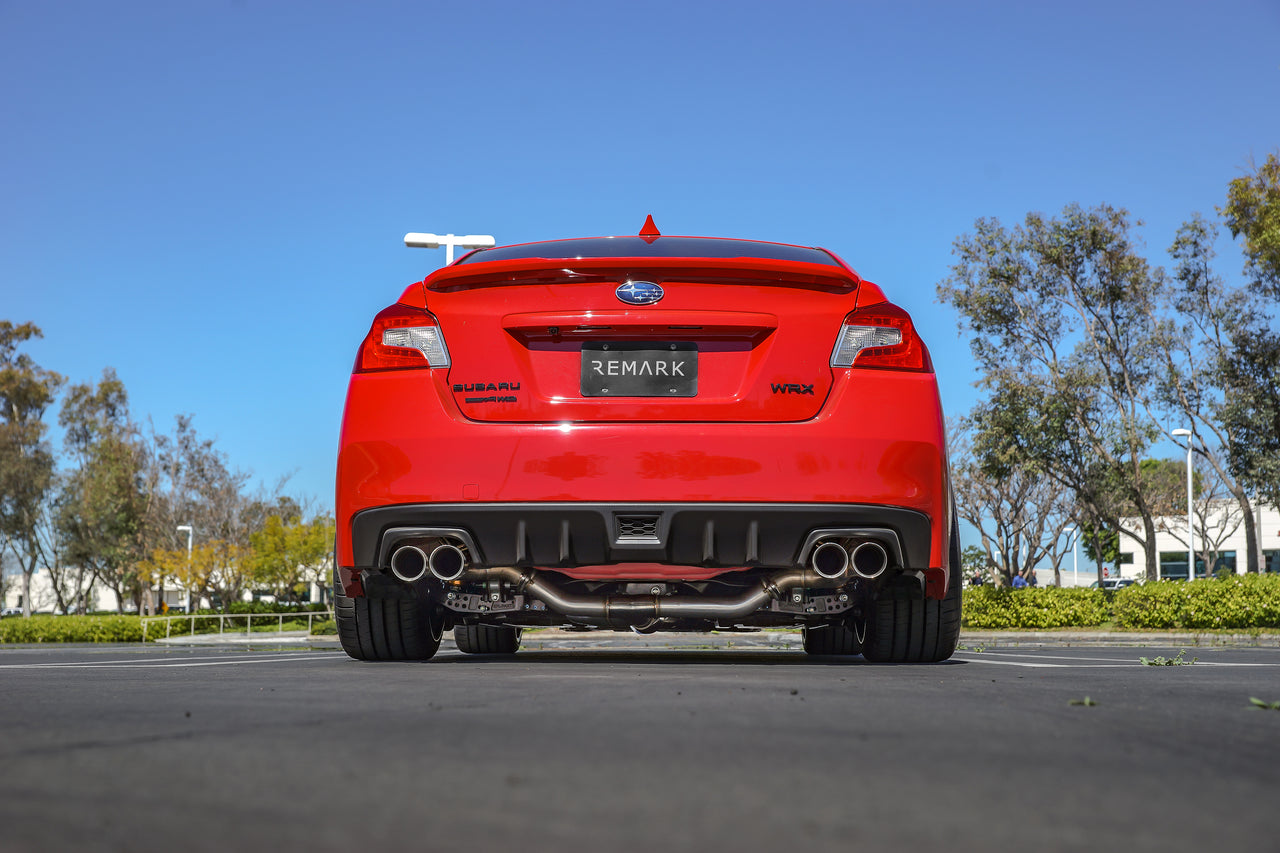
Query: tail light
x,y
402,338
880,336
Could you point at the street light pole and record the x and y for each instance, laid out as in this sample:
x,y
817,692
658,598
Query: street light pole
x,y
416,240
190,532
1191,527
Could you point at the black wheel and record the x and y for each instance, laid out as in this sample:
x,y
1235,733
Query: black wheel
x,y
902,626
835,639
487,639
387,628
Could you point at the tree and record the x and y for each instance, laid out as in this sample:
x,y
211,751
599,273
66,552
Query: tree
x,y
26,461
289,552
1198,360
974,563
1101,544
190,482
1019,515
210,571
1253,213
1013,429
102,508
1054,308
1251,412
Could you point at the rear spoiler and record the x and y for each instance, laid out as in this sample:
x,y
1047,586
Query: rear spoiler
x,y
583,270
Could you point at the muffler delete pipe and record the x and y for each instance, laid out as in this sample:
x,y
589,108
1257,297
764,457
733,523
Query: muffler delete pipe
x,y
447,562
638,609
870,559
408,563
829,560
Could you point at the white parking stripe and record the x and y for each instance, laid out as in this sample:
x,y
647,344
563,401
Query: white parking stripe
x,y
135,660
1086,663
1058,657
158,663
983,658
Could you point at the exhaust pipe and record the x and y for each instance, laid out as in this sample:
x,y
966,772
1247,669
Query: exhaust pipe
x,y
643,609
870,559
447,562
829,560
409,563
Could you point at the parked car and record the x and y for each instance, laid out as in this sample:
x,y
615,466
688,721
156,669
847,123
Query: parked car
x,y
651,433
1114,583
11,611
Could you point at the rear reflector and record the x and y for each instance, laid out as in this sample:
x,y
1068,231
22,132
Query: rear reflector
x,y
880,336
402,338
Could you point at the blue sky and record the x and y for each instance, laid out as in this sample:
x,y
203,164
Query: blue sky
x,y
210,197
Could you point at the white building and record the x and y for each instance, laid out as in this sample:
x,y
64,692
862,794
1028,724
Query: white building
x,y
1219,532
100,598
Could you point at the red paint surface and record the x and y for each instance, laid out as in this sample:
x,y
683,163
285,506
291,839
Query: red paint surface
x,y
863,436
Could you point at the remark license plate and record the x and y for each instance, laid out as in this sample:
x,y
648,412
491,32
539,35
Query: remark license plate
x,y
646,369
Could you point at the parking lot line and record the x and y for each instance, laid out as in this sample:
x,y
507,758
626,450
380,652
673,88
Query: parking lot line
x,y
160,663
1060,657
982,658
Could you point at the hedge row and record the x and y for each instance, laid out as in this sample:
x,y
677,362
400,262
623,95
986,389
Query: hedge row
x,y
1238,601
71,629
1049,607
128,629
1235,602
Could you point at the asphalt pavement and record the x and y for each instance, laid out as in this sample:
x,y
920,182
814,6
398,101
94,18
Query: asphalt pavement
x,y
692,744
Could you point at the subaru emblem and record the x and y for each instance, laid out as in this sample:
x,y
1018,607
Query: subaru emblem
x,y
639,292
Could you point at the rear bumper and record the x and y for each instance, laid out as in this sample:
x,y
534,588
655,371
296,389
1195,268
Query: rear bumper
x,y
686,541
875,457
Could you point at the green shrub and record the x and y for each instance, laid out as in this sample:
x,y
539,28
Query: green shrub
x,y
71,629
1048,607
1234,602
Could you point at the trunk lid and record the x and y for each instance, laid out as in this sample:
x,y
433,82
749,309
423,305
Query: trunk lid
x,y
741,339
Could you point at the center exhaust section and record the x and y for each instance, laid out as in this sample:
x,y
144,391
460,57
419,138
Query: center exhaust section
x,y
638,609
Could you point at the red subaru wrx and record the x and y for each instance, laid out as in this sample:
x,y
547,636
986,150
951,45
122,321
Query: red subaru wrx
x,y
645,433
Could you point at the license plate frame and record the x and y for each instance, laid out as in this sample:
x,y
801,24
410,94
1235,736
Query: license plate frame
x,y
639,369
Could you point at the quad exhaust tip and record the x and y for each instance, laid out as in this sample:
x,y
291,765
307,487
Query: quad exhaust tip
x,y
829,560
870,559
867,559
447,562
409,563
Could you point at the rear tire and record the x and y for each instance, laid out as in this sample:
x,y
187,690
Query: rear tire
x,y
387,628
834,639
487,639
903,626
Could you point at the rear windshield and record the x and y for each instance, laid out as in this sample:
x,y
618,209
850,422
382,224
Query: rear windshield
x,y
661,247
